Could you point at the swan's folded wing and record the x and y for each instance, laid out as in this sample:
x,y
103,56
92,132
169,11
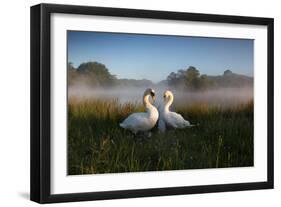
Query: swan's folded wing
x,y
135,121
176,120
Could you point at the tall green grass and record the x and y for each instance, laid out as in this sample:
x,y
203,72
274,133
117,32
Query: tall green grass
x,y
96,143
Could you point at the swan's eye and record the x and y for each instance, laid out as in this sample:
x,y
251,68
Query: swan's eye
x,y
164,96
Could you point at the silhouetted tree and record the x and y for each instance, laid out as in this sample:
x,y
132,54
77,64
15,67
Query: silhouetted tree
x,y
96,74
192,78
227,72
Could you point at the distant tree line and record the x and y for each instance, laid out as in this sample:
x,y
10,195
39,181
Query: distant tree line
x,y
95,74
191,79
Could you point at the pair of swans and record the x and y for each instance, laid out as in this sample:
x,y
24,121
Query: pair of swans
x,y
145,121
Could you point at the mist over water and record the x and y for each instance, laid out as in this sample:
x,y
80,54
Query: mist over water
x,y
224,97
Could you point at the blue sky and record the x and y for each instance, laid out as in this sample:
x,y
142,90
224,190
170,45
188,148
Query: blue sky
x,y
154,57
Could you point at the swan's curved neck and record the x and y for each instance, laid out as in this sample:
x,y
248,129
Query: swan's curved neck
x,y
147,103
169,103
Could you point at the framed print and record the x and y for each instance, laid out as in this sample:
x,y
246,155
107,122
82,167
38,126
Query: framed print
x,y
133,103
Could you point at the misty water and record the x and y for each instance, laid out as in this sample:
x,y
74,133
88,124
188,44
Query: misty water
x,y
225,97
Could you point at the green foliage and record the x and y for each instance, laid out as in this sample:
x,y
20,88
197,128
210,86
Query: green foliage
x,y
189,79
192,79
90,74
95,74
97,144
206,82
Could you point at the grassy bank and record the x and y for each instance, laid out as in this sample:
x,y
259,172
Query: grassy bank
x,y
96,143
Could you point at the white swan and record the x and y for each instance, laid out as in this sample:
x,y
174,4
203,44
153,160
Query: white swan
x,y
168,118
142,122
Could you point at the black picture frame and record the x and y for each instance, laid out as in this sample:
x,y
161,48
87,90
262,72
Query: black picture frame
x,y
41,99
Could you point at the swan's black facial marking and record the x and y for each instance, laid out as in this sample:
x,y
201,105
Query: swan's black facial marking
x,y
152,92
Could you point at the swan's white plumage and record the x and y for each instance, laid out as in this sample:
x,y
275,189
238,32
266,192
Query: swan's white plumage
x,y
168,118
144,121
161,124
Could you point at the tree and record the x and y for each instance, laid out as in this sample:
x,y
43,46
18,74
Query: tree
x,y
172,78
71,73
192,78
227,73
96,74
206,82
188,78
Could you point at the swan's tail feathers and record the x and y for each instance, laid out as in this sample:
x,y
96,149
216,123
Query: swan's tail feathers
x,y
122,125
189,125
193,125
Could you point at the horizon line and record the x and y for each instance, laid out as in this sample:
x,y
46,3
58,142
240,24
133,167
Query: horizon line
x,y
200,74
